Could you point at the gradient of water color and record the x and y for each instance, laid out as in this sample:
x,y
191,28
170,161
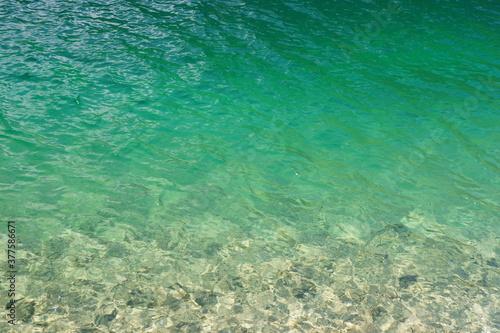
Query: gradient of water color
x,y
193,126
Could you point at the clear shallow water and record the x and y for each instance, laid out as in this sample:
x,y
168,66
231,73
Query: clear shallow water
x,y
193,136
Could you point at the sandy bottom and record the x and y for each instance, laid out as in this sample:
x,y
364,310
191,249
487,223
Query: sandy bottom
x,y
404,277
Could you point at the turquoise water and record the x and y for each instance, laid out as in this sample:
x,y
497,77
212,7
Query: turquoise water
x,y
166,148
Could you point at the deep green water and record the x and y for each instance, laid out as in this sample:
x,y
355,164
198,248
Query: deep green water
x,y
325,120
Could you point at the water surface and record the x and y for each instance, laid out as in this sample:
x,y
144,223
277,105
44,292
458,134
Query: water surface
x,y
277,166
